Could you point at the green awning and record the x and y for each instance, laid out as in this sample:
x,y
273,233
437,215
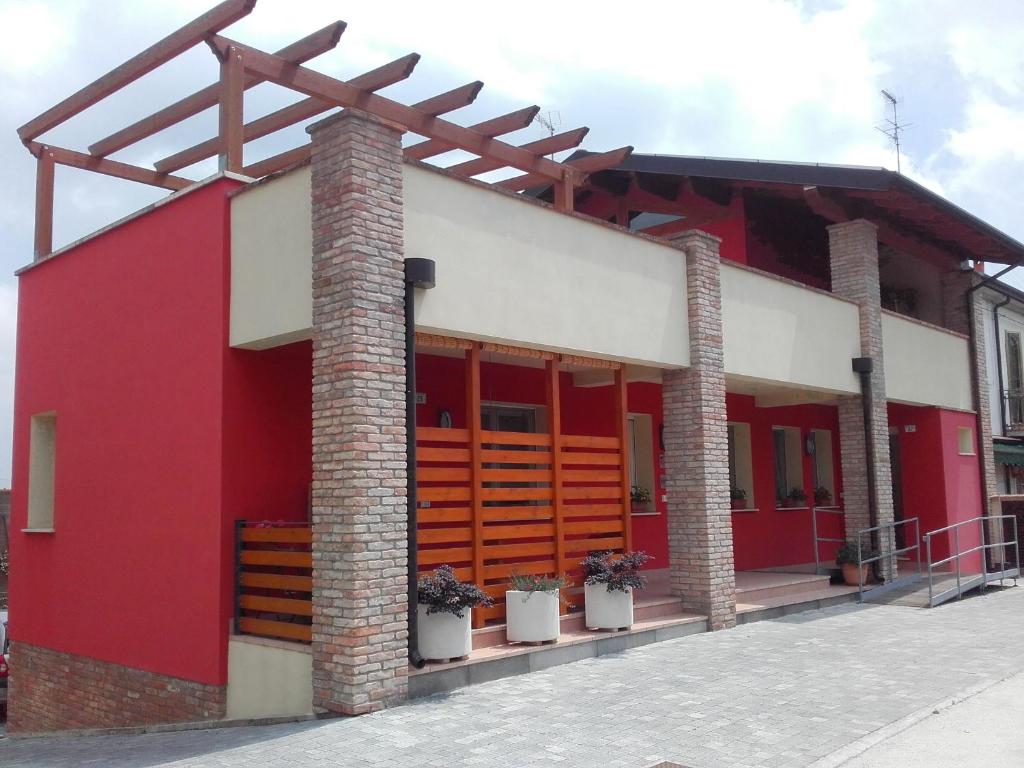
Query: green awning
x,y
1009,454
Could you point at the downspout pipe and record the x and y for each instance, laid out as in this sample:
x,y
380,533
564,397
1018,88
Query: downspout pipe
x,y
419,273
863,366
999,361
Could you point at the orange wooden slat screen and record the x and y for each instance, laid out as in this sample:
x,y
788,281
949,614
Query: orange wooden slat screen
x,y
275,582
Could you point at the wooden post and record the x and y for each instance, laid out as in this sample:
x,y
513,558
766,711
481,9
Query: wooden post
x,y
565,191
553,399
232,94
621,426
44,204
473,424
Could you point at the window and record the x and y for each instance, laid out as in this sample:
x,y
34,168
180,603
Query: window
x,y
641,454
824,471
789,476
1014,379
741,472
965,441
42,451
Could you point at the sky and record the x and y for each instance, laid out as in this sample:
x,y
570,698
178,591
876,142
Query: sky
x,y
765,79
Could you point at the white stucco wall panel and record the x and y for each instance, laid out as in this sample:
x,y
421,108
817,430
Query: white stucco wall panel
x,y
267,678
512,271
780,332
925,365
272,263
507,270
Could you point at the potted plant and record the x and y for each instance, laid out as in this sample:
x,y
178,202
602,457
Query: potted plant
x,y
532,608
609,581
738,498
640,498
846,559
797,497
822,497
442,616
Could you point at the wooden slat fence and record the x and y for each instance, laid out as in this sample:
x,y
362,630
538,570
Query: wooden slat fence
x,y
509,496
274,580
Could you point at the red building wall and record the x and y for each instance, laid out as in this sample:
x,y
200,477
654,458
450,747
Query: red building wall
x,y
769,537
940,486
164,436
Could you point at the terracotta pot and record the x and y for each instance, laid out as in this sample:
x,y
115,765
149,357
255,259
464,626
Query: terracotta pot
x,y
850,574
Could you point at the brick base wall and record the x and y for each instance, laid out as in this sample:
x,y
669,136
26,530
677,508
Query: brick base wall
x,y
52,691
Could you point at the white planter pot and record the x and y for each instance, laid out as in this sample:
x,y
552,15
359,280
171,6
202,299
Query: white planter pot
x,y
443,635
608,610
532,617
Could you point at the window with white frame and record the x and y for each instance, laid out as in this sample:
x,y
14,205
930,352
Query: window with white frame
x,y
42,463
640,436
741,466
789,475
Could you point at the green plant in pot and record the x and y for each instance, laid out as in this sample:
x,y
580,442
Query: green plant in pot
x,y
640,498
738,498
822,496
854,573
532,605
609,581
443,614
797,497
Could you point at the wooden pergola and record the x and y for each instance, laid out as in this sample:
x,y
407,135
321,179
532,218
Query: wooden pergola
x,y
242,67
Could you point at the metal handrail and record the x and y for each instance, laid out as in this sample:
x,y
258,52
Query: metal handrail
x,y
982,547
819,540
861,562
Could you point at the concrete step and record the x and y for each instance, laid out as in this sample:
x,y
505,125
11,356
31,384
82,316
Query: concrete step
x,y
759,587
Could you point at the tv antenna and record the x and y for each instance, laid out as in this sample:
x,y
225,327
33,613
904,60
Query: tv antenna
x,y
892,128
551,122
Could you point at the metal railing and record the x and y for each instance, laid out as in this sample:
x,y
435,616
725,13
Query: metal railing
x,y
892,555
971,581
819,540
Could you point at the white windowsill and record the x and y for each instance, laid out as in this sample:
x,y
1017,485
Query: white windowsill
x,y
644,514
972,453
37,530
746,509
790,509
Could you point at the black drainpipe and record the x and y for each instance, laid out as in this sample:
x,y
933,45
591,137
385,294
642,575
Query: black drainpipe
x,y
863,366
999,361
419,273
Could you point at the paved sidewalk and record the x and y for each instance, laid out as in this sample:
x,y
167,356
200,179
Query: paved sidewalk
x,y
983,731
778,693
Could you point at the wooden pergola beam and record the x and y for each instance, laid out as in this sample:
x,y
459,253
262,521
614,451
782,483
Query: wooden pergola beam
x,y
298,52
73,159
381,77
312,83
214,20
496,126
583,165
435,105
546,146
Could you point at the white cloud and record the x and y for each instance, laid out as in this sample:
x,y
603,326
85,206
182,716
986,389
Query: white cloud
x,y
34,36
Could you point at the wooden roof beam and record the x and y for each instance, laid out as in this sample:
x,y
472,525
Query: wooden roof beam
x,y
496,126
381,77
114,168
312,83
449,101
214,20
830,209
307,48
581,166
546,146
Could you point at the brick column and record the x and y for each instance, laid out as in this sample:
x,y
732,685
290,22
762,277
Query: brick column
x,y
853,253
958,316
697,448
359,476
